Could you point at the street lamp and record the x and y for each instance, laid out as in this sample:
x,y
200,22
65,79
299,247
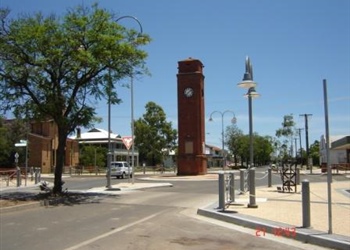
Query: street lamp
x,y
233,120
248,83
109,154
132,102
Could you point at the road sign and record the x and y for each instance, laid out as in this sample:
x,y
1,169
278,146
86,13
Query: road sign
x,y
16,157
22,143
127,140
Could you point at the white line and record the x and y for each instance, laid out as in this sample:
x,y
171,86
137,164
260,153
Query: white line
x,y
84,243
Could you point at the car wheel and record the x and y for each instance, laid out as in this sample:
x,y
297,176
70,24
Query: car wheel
x,y
123,176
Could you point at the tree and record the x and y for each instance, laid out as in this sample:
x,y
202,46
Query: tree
x,y
233,133
315,152
153,134
12,132
287,131
58,68
262,149
5,146
91,155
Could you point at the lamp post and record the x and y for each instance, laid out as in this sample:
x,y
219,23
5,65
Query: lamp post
x,y
233,120
132,102
248,83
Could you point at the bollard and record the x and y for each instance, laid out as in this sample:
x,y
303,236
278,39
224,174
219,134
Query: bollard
x,y
242,180
36,173
297,176
221,191
305,190
232,187
39,174
31,174
252,200
269,171
18,177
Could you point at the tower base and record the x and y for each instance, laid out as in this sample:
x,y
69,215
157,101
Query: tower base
x,y
192,165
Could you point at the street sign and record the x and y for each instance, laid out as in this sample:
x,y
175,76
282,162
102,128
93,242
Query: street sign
x,y
127,140
22,143
16,157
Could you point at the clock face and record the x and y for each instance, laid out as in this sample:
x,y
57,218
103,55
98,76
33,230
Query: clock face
x,y
188,92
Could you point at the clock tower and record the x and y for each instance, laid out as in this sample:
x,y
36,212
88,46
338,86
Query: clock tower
x,y
191,117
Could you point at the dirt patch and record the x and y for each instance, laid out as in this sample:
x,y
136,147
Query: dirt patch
x,y
10,203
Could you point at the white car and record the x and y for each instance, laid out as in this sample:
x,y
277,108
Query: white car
x,y
121,169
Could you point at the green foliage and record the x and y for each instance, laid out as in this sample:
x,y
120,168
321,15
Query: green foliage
x,y
154,135
232,135
239,145
11,133
315,152
60,67
287,131
91,155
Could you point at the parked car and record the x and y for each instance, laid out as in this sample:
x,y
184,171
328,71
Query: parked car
x,y
121,169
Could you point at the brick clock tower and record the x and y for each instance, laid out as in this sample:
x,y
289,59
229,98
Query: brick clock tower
x,y
191,118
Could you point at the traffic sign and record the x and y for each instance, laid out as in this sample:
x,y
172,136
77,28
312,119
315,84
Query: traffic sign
x,y
127,140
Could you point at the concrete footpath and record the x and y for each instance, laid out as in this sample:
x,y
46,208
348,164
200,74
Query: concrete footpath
x,y
278,213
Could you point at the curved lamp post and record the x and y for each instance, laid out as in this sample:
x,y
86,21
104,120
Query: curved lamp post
x,y
109,154
233,120
248,83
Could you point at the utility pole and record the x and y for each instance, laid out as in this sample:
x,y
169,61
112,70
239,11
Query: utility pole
x,y
301,151
307,140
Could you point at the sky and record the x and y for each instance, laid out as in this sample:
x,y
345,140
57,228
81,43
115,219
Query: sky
x,y
292,44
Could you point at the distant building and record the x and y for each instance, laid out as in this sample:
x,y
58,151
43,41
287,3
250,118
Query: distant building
x,y
43,144
99,137
339,150
214,156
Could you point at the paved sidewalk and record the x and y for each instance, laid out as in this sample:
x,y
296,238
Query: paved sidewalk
x,y
280,214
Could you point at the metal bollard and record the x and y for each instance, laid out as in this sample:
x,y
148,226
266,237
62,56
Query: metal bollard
x,y
232,187
306,203
221,191
252,200
18,177
242,180
31,170
297,176
269,171
36,173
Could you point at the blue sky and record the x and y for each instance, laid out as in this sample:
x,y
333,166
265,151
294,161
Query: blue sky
x,y
293,45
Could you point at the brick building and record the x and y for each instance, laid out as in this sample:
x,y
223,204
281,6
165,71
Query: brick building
x,y
43,143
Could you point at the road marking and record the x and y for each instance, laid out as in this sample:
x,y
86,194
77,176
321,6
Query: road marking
x,y
84,243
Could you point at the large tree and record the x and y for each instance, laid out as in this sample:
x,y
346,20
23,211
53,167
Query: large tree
x,y
286,131
58,68
233,133
154,136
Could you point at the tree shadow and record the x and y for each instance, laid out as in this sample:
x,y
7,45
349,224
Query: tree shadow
x,y
49,199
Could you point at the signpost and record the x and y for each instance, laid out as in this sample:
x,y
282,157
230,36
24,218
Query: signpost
x,y
128,141
23,143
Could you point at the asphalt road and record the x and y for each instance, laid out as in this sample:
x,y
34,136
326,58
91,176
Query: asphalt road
x,y
157,218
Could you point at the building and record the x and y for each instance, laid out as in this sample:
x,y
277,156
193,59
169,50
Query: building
x,y
339,151
99,137
43,144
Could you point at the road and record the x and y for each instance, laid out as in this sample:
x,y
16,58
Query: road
x,y
157,218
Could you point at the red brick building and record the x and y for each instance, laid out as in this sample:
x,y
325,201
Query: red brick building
x,y
43,143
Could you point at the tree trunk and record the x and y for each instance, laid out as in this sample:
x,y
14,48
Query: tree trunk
x,y
62,137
